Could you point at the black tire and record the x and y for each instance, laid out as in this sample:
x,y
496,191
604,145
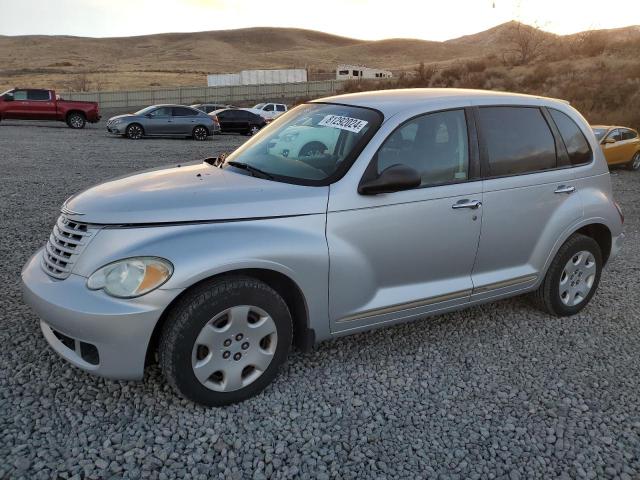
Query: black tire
x,y
312,148
253,129
194,310
134,131
548,296
634,164
200,133
76,120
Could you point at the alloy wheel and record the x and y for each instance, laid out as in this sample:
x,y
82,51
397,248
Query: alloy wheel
x,y
200,133
76,121
134,132
577,278
635,163
234,348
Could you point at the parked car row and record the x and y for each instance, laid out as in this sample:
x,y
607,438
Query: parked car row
x,y
198,121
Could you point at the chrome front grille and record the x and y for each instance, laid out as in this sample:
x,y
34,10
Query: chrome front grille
x,y
66,242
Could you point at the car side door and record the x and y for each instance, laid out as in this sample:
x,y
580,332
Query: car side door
x,y
158,121
401,255
183,120
228,121
40,105
17,107
629,144
613,148
529,197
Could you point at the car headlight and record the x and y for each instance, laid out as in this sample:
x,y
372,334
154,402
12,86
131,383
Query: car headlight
x,y
116,121
131,277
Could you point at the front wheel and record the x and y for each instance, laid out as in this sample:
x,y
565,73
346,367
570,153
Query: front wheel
x,y
134,131
200,133
572,278
224,341
76,120
634,164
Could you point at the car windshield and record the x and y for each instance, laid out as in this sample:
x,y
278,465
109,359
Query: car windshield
x,y
309,143
145,110
259,106
599,133
4,93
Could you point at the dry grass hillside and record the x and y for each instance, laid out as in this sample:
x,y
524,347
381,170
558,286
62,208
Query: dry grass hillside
x,y
176,59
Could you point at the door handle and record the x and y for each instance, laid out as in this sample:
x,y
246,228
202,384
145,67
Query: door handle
x,y
565,189
473,204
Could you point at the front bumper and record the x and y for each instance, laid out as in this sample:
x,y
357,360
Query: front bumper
x,y
98,333
115,129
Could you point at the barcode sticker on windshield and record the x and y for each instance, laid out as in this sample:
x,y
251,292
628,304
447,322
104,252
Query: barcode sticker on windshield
x,y
343,123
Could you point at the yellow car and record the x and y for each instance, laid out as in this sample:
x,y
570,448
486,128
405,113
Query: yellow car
x,y
621,145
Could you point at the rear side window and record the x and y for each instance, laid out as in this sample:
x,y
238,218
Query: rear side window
x,y
628,134
518,140
38,94
183,112
280,108
573,138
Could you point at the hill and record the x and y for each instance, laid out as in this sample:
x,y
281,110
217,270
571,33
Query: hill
x,y
183,59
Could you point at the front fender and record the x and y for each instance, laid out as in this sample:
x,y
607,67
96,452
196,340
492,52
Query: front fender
x,y
293,246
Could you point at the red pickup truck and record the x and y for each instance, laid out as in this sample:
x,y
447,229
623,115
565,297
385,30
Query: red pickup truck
x,y
38,104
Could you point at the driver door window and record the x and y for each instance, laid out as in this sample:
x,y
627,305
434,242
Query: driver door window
x,y
436,145
161,112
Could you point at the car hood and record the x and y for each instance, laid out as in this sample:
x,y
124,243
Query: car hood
x,y
191,193
126,115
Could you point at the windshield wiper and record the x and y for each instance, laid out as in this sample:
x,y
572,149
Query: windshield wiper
x,y
256,172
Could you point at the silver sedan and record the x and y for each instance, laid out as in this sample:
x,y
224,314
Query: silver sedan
x,y
163,121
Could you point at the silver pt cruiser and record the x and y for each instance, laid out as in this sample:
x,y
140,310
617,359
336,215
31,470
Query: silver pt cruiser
x,y
345,214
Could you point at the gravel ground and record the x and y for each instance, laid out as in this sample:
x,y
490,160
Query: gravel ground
x,y
497,391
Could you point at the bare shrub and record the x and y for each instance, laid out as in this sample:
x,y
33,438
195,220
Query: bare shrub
x,y
524,43
589,44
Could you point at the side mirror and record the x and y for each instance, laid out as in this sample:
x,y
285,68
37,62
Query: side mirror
x,y
392,179
609,140
148,115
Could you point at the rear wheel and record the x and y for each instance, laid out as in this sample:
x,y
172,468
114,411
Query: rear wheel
x,y
134,131
572,278
634,164
224,341
253,130
200,133
76,120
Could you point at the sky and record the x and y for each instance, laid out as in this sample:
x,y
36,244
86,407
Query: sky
x,y
364,19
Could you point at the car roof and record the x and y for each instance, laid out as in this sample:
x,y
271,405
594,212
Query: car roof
x,y
390,102
611,127
171,105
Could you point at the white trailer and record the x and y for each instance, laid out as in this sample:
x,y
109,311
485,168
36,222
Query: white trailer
x,y
357,72
258,77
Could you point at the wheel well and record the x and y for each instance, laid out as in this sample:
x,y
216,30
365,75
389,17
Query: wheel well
x,y
601,234
303,336
203,126
135,123
70,112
